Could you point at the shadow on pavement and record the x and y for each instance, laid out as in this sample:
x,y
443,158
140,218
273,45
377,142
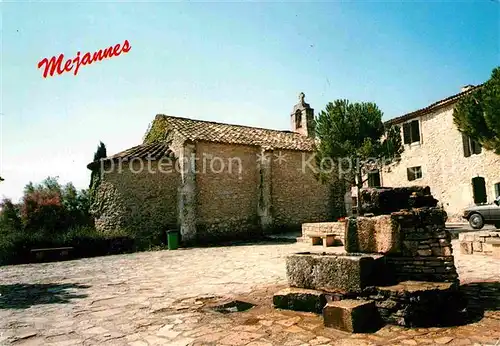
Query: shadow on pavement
x,y
481,297
23,296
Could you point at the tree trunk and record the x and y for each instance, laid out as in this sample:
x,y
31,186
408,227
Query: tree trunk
x,y
359,185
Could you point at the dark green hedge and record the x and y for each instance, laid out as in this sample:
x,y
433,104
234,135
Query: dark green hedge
x,y
15,247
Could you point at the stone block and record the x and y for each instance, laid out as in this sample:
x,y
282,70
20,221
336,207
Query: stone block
x,y
487,248
477,246
496,252
379,234
494,243
466,247
349,315
387,200
336,273
424,252
328,240
316,241
300,299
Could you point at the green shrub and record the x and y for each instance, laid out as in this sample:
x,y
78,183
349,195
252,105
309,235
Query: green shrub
x,y
15,247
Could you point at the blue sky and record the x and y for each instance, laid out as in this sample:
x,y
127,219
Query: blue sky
x,y
241,63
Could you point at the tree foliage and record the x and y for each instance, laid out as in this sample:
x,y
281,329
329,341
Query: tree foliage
x,y
353,140
100,152
47,207
10,216
477,114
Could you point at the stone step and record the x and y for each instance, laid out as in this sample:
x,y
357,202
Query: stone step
x,y
352,315
300,299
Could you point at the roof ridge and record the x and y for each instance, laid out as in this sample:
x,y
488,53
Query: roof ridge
x,y
433,105
227,124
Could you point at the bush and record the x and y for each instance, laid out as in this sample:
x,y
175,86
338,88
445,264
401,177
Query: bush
x,y
43,210
9,216
51,216
15,247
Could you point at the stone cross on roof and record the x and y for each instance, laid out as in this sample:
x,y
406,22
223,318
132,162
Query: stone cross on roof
x,y
302,103
301,98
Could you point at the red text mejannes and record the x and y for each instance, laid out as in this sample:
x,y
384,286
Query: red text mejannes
x,y
56,64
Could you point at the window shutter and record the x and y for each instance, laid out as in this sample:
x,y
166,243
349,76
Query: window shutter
x,y
497,190
479,190
410,173
418,172
415,131
377,179
370,180
374,179
475,146
465,143
406,133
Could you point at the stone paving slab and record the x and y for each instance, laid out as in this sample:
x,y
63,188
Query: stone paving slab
x,y
163,298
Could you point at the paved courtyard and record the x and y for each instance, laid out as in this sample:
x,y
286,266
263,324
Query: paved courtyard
x,y
164,298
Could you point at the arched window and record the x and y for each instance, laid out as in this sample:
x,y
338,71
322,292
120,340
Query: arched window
x,y
298,119
479,190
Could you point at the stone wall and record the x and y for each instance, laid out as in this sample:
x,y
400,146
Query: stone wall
x,y
215,191
227,182
431,268
418,304
444,167
426,252
144,203
336,228
242,199
297,197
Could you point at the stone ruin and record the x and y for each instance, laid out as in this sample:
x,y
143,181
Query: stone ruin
x,y
398,268
481,242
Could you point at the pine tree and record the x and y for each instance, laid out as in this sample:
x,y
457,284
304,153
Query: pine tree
x,y
353,141
95,176
477,114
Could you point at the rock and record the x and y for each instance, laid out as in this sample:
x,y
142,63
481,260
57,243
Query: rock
x,y
300,299
466,247
335,273
424,252
387,200
443,340
355,316
379,234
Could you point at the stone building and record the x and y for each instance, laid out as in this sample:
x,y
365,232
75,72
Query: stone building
x,y
213,180
458,171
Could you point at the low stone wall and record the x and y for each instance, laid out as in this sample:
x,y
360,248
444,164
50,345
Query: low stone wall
x,y
476,242
432,269
337,228
426,252
418,304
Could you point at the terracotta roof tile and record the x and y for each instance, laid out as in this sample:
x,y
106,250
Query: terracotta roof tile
x,y
199,130
154,151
